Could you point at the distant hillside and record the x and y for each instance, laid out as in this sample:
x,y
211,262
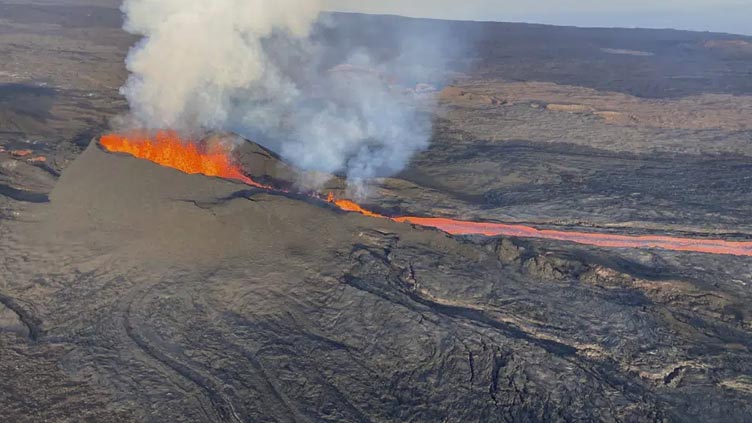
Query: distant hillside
x,y
642,62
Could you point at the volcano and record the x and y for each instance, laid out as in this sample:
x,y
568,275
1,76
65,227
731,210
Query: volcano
x,y
361,303
572,246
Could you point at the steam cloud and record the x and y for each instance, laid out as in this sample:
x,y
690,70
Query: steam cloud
x,y
254,67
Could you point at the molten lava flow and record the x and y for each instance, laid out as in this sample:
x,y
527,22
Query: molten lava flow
x,y
460,227
351,206
166,148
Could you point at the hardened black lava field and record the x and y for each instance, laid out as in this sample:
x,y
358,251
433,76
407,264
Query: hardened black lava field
x,y
133,292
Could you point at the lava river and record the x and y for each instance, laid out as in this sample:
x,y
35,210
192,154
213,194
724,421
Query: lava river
x,y
167,149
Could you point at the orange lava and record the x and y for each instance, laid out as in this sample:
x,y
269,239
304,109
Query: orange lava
x,y
214,159
24,154
21,153
458,227
461,227
166,148
351,206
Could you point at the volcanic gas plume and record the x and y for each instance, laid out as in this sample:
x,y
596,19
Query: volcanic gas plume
x,y
255,68
167,149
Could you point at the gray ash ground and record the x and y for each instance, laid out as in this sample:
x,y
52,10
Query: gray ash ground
x,y
141,294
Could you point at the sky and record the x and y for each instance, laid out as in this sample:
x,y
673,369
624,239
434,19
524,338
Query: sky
x,y
733,16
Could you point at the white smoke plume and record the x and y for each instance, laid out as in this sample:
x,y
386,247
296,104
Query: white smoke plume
x,y
252,67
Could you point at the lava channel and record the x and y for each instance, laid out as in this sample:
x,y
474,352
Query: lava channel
x,y
459,227
214,159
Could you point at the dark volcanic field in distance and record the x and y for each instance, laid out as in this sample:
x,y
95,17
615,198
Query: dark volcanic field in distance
x,y
131,292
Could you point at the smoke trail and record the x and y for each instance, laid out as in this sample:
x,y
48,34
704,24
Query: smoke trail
x,y
254,67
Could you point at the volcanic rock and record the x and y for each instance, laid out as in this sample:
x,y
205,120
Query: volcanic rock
x,y
229,303
142,294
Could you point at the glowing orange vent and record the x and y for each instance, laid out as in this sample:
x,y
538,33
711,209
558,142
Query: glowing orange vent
x,y
166,148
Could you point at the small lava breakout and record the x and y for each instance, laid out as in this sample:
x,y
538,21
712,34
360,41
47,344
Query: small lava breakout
x,y
166,148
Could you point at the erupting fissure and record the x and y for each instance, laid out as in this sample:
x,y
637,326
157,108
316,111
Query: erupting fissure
x,y
166,148
352,206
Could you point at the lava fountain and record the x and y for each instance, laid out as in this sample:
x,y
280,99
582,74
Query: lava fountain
x,y
166,148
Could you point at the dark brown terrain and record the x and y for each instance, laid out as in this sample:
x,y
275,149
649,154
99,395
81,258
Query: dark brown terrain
x,y
131,292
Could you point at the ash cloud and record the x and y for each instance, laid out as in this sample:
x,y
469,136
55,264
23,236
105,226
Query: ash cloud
x,y
288,75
